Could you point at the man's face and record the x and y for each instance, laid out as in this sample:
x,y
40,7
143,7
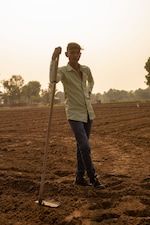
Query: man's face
x,y
73,55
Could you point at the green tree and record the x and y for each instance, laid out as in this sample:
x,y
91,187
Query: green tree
x,y
13,88
147,67
111,95
141,94
114,95
46,94
31,92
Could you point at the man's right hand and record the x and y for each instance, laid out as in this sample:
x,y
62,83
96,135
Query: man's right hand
x,y
56,53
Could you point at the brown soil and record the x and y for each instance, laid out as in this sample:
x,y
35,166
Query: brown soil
x,y
120,142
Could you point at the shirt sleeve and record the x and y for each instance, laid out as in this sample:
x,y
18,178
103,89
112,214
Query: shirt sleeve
x,y
52,73
90,81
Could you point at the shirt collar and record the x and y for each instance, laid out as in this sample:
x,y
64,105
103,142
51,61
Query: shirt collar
x,y
69,67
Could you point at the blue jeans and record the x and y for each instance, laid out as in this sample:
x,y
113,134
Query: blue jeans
x,y
81,132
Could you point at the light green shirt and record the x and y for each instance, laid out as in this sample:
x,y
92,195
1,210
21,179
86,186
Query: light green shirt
x,y
76,90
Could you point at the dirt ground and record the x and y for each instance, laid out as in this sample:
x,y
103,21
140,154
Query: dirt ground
x,y
120,143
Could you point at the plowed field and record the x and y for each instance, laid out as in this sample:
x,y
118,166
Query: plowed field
x,y
120,143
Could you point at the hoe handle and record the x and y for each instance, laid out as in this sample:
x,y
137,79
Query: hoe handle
x,y
48,134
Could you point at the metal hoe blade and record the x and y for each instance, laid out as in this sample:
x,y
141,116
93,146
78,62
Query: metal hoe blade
x,y
49,203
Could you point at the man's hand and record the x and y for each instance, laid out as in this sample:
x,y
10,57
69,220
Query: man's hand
x,y
56,53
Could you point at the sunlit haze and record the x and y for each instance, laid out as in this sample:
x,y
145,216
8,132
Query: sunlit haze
x,y
115,35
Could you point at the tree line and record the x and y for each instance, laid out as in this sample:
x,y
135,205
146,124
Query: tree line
x,y
16,92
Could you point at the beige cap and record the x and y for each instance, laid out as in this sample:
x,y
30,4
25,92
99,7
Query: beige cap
x,y
73,45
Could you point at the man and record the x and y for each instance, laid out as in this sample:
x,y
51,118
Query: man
x,y
78,82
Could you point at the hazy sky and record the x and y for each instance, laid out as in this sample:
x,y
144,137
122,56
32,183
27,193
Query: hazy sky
x,y
115,35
